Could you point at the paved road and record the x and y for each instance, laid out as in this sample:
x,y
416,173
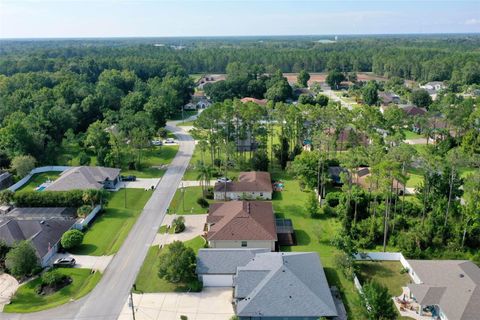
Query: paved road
x,y
335,97
108,298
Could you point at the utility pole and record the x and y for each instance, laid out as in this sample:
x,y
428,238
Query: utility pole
x,y
130,302
125,193
183,198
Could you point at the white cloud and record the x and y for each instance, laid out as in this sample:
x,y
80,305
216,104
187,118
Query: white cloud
x,y
472,22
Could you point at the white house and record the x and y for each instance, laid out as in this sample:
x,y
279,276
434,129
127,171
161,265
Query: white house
x,y
251,185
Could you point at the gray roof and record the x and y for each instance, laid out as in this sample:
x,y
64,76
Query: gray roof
x,y
454,285
283,285
224,261
42,213
42,234
82,178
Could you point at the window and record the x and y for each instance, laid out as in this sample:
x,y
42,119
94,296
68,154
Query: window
x,y
244,243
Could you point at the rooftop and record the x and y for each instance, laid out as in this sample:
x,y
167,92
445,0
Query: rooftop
x,y
224,261
454,285
82,178
252,181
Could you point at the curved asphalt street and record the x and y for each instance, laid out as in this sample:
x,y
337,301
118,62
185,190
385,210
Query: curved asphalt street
x,y
108,298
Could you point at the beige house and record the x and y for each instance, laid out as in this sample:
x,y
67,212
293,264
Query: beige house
x,y
241,224
253,185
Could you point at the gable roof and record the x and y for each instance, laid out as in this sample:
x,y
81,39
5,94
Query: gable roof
x,y
452,284
224,261
42,234
283,285
82,178
242,220
261,102
251,181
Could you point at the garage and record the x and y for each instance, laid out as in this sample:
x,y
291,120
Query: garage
x,y
217,280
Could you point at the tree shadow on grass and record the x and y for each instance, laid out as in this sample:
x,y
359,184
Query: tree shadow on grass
x,y
303,238
84,249
333,279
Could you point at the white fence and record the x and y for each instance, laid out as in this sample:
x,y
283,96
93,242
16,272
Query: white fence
x,y
25,179
83,222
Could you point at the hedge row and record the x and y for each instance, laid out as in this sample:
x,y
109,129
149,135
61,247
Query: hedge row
x,y
72,198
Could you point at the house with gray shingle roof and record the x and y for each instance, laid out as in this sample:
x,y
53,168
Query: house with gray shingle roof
x,y
284,286
250,185
216,267
449,287
84,178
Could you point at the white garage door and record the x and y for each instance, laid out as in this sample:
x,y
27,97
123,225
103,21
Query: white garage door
x,y
217,280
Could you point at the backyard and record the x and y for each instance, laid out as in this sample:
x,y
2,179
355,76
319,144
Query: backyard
x,y
37,179
148,279
387,273
110,228
27,300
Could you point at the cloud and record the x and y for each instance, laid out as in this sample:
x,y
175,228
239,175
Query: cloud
x,y
472,22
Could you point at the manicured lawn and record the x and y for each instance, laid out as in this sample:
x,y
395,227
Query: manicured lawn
x,y
38,179
192,172
26,300
148,279
154,156
186,124
409,135
315,235
187,203
387,273
109,230
415,177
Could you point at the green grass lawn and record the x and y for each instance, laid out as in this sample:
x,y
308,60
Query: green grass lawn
x,y
186,115
412,135
387,273
148,279
192,172
187,204
415,177
38,179
315,235
154,156
110,229
186,124
26,300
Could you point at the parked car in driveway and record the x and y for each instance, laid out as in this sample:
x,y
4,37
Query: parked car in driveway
x,y
223,179
157,143
170,140
128,178
64,262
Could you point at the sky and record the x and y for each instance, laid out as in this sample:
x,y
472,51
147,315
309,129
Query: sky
x,y
152,18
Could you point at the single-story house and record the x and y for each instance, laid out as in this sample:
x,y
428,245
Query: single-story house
x,y
241,224
250,185
334,174
287,286
388,97
190,106
261,102
216,267
5,180
361,177
347,138
450,288
83,178
412,110
43,234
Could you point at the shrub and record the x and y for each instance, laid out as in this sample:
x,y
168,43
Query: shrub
x,y
23,165
179,224
333,198
52,278
196,286
22,260
84,210
177,263
182,317
84,158
49,199
209,194
202,202
71,239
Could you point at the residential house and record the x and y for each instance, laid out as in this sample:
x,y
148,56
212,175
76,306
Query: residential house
x,y
5,180
250,185
286,286
387,98
83,178
190,107
412,110
433,88
449,288
347,138
362,178
241,224
334,174
261,102
42,227
217,267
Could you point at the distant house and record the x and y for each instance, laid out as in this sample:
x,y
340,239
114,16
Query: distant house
x,y
283,285
262,102
203,103
334,173
5,180
241,224
413,111
247,144
216,267
83,178
190,106
250,185
451,288
42,227
361,177
433,88
388,97
347,138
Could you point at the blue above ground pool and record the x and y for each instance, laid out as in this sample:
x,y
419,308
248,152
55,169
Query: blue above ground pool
x,y
41,188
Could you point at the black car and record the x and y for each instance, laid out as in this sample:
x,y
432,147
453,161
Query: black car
x,y
128,178
64,262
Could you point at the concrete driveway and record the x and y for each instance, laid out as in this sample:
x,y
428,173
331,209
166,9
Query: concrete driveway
x,y
194,225
8,286
210,304
194,183
99,263
142,183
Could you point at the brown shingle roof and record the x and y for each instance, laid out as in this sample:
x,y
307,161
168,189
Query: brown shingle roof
x,y
242,220
262,102
252,181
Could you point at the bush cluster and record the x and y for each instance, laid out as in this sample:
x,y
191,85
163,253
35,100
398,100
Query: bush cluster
x,y
72,198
